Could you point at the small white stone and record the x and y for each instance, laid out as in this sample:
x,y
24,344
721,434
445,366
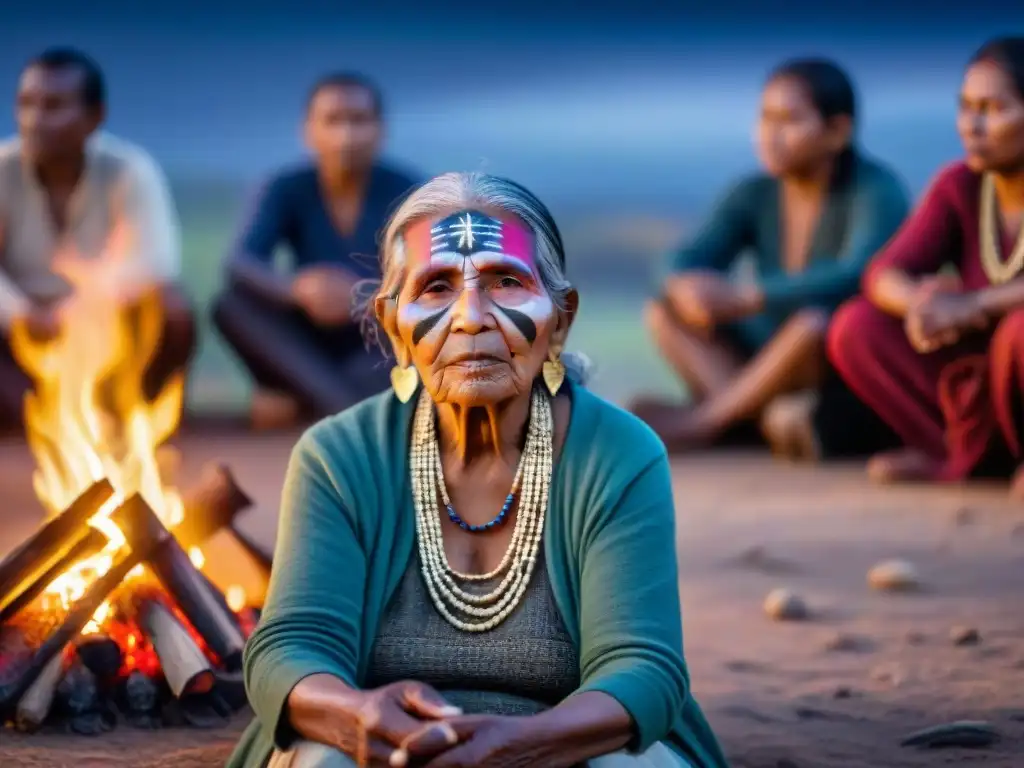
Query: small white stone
x,y
894,576
785,605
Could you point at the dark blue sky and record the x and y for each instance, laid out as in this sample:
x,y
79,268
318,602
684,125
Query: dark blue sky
x,y
654,104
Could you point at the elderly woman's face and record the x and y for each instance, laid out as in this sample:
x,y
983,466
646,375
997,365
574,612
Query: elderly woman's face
x,y
472,312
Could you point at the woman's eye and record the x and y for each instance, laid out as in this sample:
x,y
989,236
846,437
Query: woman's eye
x,y
508,282
436,287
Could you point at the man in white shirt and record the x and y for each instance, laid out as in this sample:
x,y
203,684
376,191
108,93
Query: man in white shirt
x,y
79,208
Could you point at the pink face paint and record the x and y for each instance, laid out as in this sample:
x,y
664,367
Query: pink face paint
x,y
467,233
454,241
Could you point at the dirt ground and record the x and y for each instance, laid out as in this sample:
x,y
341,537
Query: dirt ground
x,y
841,688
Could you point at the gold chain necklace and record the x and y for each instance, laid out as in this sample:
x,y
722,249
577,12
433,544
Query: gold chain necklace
x,y
997,270
480,611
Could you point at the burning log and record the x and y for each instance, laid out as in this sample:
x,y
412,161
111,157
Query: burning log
x,y
90,544
204,608
100,654
50,543
133,512
35,705
78,698
15,654
184,665
209,507
212,506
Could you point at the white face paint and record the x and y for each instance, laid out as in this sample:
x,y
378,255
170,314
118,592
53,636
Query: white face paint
x,y
475,318
441,288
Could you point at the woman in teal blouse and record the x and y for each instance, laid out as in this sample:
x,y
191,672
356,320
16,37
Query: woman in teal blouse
x,y
477,568
754,349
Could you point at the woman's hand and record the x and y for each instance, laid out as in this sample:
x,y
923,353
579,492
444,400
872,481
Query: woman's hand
x,y
388,726
491,741
324,294
940,315
391,725
583,726
706,299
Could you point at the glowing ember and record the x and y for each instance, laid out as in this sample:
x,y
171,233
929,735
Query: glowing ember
x,y
195,554
236,598
89,419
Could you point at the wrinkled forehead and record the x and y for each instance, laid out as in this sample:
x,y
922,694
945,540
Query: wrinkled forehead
x,y
468,234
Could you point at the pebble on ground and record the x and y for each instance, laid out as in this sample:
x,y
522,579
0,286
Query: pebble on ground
x,y
894,576
785,605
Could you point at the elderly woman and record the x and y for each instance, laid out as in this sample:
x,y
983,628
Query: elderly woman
x,y
477,568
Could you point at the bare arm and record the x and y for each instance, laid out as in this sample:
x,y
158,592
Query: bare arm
x,y
320,708
584,726
893,291
1001,299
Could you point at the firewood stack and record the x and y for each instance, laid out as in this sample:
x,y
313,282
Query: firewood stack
x,y
160,648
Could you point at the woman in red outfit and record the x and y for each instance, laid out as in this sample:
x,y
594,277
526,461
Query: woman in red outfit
x,y
938,356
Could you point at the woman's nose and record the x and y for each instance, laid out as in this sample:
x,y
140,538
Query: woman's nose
x,y
470,313
972,124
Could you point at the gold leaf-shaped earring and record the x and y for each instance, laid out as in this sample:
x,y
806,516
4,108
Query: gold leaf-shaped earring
x,y
553,372
404,380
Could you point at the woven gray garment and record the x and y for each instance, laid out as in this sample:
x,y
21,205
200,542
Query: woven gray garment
x,y
524,665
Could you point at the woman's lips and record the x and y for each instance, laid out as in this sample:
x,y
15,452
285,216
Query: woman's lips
x,y
476,362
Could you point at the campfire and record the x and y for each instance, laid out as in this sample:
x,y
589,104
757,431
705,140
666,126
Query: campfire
x,y
105,613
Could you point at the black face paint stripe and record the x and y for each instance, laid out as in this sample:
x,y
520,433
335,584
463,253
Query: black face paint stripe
x,y
523,322
426,325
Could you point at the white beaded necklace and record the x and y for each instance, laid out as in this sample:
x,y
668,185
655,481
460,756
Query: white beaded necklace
x,y
997,270
469,611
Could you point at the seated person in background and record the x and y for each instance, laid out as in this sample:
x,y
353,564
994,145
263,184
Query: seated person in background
x,y
812,221
407,617
78,203
295,332
941,357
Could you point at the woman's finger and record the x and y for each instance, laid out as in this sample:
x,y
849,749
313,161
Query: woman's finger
x,y
372,753
914,336
395,725
921,344
424,701
430,740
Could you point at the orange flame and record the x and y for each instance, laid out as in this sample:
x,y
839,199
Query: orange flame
x,y
89,419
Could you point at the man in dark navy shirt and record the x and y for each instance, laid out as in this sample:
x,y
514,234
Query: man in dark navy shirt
x,y
295,331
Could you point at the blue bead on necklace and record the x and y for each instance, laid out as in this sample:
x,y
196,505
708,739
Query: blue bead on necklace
x,y
498,521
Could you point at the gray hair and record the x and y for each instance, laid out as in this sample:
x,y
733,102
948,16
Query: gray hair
x,y
454,191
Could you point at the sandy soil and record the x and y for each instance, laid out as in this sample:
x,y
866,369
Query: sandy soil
x,y
841,688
